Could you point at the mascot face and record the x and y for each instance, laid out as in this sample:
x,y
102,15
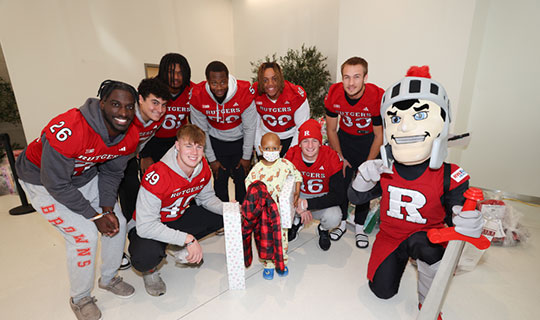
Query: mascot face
x,y
411,130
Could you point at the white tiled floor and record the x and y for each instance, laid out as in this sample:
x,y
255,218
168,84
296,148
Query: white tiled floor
x,y
321,285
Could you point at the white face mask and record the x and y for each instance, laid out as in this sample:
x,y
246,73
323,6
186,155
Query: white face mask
x,y
271,156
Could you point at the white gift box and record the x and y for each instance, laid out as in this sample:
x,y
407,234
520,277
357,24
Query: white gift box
x,y
234,247
286,202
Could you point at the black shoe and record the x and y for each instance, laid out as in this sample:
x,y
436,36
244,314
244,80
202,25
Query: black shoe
x,y
324,239
293,231
126,263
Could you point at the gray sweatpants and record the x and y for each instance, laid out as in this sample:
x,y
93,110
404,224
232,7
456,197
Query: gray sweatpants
x,y
81,236
330,217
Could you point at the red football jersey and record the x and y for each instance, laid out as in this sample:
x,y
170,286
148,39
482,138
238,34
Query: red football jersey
x,y
70,135
408,207
223,116
278,116
355,120
176,115
174,191
316,178
146,133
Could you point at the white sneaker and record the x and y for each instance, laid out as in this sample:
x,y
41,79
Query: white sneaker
x,y
126,262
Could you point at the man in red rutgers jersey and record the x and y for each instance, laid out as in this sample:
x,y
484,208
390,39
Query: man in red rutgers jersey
x,y
176,205
321,191
71,174
281,105
359,138
153,96
419,191
224,108
174,70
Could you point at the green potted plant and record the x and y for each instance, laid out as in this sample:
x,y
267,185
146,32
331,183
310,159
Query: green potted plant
x,y
9,116
8,106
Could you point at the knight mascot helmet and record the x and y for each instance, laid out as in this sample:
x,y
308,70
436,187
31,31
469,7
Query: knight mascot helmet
x,y
416,118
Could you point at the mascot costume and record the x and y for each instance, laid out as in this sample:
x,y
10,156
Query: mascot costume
x,y
419,191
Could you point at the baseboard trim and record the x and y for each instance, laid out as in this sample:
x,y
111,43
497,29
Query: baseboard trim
x,y
510,195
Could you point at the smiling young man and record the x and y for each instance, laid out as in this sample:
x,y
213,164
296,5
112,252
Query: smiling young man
x,y
282,106
176,205
71,174
224,108
153,97
174,70
354,104
321,192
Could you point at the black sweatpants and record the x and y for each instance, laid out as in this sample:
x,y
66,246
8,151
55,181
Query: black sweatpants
x,y
129,188
229,153
285,145
146,254
356,150
386,280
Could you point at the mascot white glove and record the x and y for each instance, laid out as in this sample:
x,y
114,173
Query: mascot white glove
x,y
468,223
368,174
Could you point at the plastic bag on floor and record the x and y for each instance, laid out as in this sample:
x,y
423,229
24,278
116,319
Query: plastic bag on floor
x,y
501,227
513,232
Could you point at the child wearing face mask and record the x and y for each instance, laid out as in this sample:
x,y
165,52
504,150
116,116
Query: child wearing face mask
x,y
273,171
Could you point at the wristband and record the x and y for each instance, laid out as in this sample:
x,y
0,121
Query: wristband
x,y
98,216
191,242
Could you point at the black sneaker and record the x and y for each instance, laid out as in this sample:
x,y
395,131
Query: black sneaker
x,y
324,239
293,231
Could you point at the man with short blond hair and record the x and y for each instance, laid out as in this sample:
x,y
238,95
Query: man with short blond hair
x,y
354,104
176,205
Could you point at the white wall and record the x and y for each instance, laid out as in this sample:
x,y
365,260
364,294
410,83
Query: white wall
x,y
505,106
393,35
58,52
485,53
264,27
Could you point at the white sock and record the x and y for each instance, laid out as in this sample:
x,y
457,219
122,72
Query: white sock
x,y
296,220
342,224
360,229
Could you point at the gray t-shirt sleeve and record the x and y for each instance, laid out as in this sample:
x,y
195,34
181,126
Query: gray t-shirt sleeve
x,y
249,124
200,120
208,199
